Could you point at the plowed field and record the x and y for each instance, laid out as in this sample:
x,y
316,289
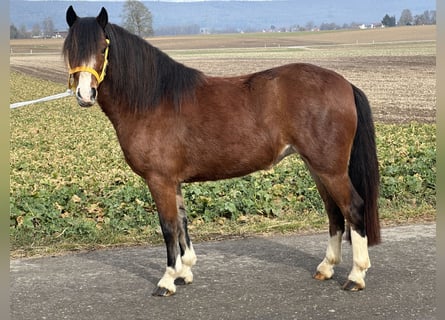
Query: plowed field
x,y
396,67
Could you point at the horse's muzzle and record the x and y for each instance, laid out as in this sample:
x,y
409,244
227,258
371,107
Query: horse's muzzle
x,y
87,101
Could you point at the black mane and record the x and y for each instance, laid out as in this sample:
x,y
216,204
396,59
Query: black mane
x,y
82,42
139,75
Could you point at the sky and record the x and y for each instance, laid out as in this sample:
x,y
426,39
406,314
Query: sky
x,y
220,16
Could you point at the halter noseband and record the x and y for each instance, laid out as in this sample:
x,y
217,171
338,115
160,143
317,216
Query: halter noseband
x,y
98,77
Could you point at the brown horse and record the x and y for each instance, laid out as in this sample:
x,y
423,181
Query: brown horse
x,y
177,125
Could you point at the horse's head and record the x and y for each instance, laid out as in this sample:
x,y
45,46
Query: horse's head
x,y
86,54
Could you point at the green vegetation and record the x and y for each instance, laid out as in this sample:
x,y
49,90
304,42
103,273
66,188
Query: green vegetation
x,y
70,187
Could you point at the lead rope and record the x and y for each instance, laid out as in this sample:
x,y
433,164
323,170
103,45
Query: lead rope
x,y
67,93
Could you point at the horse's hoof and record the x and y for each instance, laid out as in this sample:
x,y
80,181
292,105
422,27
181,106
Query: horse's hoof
x,y
352,286
319,276
162,292
180,282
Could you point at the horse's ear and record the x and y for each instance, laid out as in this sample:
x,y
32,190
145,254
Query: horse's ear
x,y
102,18
71,16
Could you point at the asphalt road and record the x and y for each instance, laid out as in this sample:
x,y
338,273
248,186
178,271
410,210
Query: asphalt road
x,y
252,278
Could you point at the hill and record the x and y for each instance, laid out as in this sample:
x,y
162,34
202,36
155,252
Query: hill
x,y
223,15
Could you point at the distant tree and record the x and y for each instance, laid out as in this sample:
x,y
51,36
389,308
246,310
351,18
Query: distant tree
x,y
309,26
420,19
406,18
36,30
329,26
428,17
388,21
48,27
296,27
13,32
24,32
137,18
432,16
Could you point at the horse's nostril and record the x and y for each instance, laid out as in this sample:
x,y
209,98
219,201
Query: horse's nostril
x,y
79,96
93,93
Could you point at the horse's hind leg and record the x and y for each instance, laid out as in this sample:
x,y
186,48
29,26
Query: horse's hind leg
x,y
180,254
350,203
325,269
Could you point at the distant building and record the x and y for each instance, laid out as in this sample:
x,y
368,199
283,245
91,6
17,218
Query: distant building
x,y
371,26
59,34
204,30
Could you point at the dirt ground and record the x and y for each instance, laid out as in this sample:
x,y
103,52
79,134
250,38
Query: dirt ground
x,y
400,84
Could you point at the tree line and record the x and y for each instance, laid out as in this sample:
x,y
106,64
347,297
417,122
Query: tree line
x,y
407,19
428,17
39,30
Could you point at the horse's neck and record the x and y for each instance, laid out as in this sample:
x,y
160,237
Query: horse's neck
x,y
111,109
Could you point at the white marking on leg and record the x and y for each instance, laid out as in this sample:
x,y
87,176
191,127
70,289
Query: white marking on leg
x,y
360,258
168,279
188,261
189,257
333,256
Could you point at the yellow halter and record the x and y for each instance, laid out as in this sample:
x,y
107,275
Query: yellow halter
x,y
98,77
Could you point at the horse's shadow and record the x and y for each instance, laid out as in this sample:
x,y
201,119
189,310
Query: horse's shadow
x,y
270,251
142,262
149,262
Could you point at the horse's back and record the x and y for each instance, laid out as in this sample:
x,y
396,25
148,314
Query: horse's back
x,y
288,91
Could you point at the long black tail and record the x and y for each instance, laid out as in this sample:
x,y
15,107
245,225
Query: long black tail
x,y
364,166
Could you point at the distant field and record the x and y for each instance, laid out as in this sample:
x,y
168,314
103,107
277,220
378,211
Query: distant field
x,y
252,40
394,66
418,33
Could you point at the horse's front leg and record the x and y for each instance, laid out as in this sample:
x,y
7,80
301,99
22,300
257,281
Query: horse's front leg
x,y
178,249
188,256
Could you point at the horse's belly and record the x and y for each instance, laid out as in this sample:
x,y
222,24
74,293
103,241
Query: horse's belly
x,y
235,163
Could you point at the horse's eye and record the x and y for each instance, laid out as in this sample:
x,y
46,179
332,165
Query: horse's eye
x,y
103,50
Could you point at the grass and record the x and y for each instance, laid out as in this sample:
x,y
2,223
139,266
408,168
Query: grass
x,y
71,189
